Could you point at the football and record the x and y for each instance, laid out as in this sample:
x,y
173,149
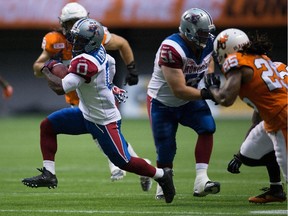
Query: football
x,y
59,70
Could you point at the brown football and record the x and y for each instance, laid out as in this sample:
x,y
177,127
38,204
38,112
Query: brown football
x,y
59,70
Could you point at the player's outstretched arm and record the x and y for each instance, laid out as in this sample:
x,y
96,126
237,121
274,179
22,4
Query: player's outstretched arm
x,y
39,63
122,45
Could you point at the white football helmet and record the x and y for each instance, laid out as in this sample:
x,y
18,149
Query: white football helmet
x,y
229,41
196,24
71,12
87,35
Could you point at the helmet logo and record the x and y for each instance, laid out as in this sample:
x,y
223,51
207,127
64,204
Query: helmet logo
x,y
224,38
192,18
221,43
92,28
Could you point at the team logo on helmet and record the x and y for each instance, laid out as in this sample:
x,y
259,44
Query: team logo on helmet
x,y
192,18
224,38
221,43
93,27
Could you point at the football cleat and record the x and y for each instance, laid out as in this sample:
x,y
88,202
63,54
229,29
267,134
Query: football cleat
x,y
167,185
159,193
269,196
117,174
203,189
45,179
146,183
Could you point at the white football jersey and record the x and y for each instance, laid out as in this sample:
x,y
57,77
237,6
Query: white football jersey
x,y
90,74
174,53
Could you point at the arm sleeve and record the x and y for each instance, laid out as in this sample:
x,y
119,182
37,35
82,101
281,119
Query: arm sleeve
x,y
71,82
170,57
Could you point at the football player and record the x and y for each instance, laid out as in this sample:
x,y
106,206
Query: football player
x,y
56,46
254,77
174,98
257,150
96,114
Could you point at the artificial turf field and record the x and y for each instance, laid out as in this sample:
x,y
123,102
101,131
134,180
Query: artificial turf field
x,y
85,188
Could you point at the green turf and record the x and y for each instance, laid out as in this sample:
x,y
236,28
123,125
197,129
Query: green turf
x,y
84,180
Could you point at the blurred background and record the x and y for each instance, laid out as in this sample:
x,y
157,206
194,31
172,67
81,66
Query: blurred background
x,y
23,23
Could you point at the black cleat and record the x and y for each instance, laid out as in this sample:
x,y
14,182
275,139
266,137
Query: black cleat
x,y
167,185
269,196
46,179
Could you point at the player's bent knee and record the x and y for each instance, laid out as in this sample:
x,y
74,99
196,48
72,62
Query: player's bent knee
x,y
46,126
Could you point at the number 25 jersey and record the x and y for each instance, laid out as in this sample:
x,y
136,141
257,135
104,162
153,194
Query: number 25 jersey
x,y
266,92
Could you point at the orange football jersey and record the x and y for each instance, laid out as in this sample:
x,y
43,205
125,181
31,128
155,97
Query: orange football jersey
x,y
55,43
266,91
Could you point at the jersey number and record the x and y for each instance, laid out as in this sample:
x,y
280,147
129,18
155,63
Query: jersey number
x,y
273,82
82,68
166,56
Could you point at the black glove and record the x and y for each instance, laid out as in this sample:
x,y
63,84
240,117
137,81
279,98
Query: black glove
x,y
206,94
132,76
234,165
211,80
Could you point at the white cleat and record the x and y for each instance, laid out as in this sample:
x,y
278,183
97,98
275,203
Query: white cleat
x,y
117,175
203,188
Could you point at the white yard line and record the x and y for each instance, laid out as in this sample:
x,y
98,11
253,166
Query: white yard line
x,y
271,212
266,212
117,212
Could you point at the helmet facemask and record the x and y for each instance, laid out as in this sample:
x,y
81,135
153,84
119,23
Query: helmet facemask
x,y
201,37
79,44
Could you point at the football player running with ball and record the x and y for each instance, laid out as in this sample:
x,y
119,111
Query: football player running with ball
x,y
56,46
97,112
174,98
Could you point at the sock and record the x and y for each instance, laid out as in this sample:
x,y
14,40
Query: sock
x,y
48,140
201,171
169,165
112,167
203,148
159,173
140,166
49,165
276,186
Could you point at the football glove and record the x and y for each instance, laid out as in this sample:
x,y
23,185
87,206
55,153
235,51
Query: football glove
x,y
206,94
211,80
49,64
234,165
132,76
119,94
